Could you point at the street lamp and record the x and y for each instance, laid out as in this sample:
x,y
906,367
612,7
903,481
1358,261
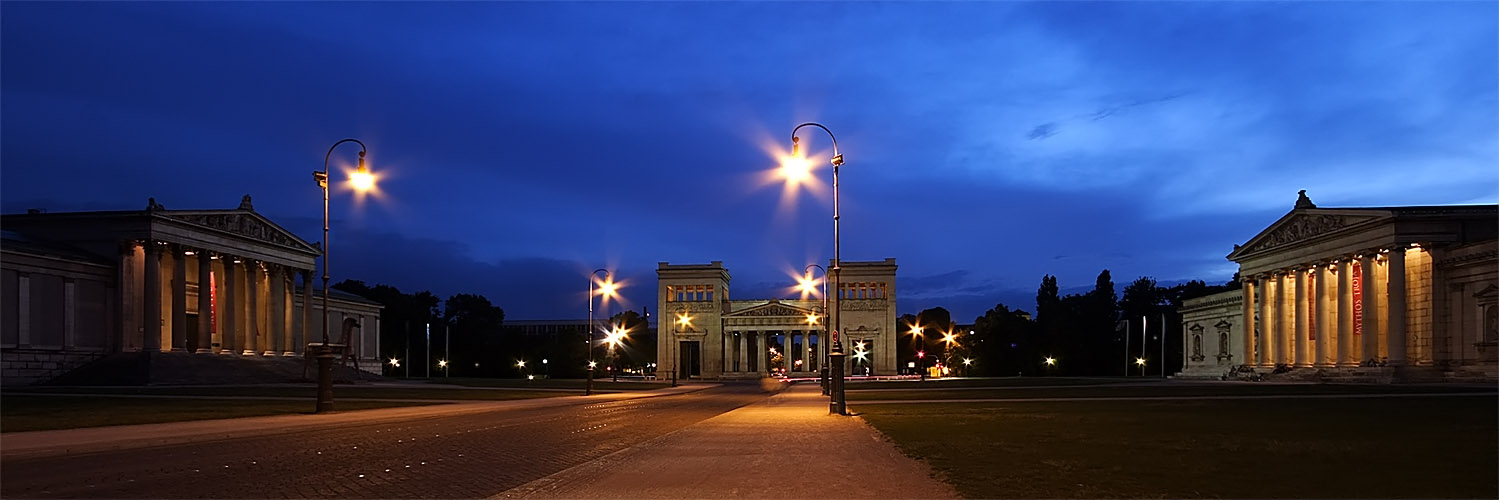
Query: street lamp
x,y
796,166
443,363
616,335
362,181
606,289
1141,363
520,366
920,354
808,286
684,324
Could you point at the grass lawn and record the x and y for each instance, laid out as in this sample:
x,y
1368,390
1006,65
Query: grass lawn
x,y
1437,447
1134,390
934,383
20,412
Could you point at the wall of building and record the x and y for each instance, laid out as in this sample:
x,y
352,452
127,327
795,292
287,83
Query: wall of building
x,y
55,315
1213,329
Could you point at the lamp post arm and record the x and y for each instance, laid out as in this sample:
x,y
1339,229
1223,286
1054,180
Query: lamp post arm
x,y
324,181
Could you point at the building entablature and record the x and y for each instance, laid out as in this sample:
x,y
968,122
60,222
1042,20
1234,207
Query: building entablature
x,y
1309,237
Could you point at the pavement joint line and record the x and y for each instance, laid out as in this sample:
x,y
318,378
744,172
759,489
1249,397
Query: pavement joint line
x,y
601,464
34,444
1170,398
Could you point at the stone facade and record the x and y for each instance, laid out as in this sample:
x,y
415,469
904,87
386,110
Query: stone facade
x,y
1343,288
1212,327
82,285
703,334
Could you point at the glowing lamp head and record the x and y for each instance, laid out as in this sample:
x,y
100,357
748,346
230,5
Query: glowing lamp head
x,y
442,363
967,361
593,364
607,288
949,337
1140,361
807,285
520,364
362,179
1051,361
395,362
684,320
921,354
811,319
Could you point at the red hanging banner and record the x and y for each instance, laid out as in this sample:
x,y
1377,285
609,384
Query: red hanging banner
x,y
1358,299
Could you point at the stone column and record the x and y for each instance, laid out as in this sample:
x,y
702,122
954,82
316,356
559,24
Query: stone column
x,y
288,308
1370,311
274,315
1396,318
1285,319
228,328
307,319
1303,347
205,306
179,300
1249,323
252,306
151,324
1267,324
744,353
1324,316
807,350
1346,354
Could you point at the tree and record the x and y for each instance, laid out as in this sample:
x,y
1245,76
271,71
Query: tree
x,y
1005,342
478,343
638,347
934,323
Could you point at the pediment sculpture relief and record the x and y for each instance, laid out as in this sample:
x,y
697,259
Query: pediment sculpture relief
x,y
242,225
1304,227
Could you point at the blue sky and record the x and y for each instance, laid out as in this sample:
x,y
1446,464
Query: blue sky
x,y
523,144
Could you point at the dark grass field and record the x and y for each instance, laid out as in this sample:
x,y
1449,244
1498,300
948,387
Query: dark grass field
x,y
1399,447
1146,390
20,413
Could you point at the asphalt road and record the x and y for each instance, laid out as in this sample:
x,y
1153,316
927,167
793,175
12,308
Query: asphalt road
x,y
461,456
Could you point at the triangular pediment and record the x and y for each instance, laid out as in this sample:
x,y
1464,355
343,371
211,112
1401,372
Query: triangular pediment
x,y
243,223
772,309
1307,224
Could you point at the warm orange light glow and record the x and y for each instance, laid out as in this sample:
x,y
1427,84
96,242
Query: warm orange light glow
x,y
607,288
811,319
916,330
1140,361
795,169
362,180
807,285
949,337
684,320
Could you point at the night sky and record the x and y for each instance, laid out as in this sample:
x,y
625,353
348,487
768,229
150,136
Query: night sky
x,y
521,145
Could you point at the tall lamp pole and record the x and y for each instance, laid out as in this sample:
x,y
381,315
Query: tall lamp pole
x,y
807,286
362,181
837,404
605,290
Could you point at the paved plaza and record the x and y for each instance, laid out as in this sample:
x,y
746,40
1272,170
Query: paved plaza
x,y
731,440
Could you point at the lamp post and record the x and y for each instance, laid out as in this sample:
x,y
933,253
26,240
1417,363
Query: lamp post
x,y
362,181
920,353
606,289
807,287
836,404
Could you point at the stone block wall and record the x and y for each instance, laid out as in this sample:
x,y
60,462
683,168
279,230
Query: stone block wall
x,y
34,366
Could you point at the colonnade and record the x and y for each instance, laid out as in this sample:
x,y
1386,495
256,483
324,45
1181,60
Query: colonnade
x,y
1342,311
740,344
247,302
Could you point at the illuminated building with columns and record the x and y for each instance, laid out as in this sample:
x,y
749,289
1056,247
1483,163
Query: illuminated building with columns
x,y
1407,293
701,333
78,286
